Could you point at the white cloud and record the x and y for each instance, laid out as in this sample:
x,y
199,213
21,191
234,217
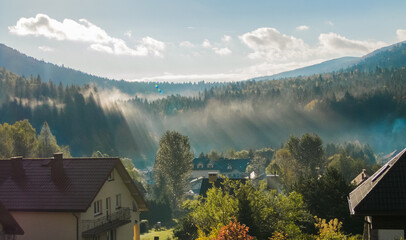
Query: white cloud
x,y
270,44
206,43
128,33
218,50
154,46
45,49
186,44
102,48
222,51
332,43
226,39
83,31
302,28
330,23
275,47
401,34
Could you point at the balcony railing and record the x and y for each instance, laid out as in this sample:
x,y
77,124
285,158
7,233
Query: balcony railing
x,y
105,223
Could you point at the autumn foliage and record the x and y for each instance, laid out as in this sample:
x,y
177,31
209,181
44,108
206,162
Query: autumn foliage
x,y
234,231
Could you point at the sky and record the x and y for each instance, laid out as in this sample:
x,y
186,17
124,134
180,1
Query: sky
x,y
197,40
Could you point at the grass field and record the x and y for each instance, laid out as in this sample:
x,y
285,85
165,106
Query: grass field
x,y
163,235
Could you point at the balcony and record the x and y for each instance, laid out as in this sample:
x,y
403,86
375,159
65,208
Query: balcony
x,y
118,218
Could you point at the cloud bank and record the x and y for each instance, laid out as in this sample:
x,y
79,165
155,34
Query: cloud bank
x,y
272,46
401,34
84,31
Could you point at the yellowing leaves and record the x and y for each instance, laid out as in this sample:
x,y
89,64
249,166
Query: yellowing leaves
x,y
311,105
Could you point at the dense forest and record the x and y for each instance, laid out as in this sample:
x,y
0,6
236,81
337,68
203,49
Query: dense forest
x,y
348,105
74,114
341,106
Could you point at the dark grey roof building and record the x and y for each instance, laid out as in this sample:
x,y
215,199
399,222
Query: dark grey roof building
x,y
381,199
231,168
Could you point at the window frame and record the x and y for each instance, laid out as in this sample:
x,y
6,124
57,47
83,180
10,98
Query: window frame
x,y
98,207
118,201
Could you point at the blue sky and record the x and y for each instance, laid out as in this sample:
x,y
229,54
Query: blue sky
x,y
190,40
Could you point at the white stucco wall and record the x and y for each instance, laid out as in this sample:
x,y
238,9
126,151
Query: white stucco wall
x,y
46,225
111,189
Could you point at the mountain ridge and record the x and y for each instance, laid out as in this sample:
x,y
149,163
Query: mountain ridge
x,y
24,65
392,56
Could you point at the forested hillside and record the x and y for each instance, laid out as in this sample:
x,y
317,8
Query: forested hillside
x,y
353,105
350,105
363,103
24,65
73,113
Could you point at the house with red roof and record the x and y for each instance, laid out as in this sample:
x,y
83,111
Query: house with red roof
x,y
71,198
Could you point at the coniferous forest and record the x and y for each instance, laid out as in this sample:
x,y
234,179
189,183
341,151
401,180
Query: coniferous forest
x,y
346,105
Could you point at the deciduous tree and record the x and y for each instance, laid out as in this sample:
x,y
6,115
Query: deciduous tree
x,y
173,166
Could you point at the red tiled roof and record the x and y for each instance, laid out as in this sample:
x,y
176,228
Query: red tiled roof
x,y
72,191
10,226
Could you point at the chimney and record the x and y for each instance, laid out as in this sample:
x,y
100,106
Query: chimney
x,y
17,169
364,174
57,170
213,177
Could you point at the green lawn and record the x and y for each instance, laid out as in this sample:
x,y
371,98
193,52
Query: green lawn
x,y
163,235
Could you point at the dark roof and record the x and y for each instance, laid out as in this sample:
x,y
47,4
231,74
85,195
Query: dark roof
x,y
73,191
222,164
206,185
384,193
10,225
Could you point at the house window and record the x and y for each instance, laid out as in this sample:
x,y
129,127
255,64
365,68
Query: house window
x,y
118,201
200,165
96,237
97,207
229,167
111,176
210,165
108,206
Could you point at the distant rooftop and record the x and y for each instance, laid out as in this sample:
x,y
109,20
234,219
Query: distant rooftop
x,y
223,164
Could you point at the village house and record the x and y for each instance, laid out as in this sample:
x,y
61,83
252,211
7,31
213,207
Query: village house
x,y
381,200
71,198
231,168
